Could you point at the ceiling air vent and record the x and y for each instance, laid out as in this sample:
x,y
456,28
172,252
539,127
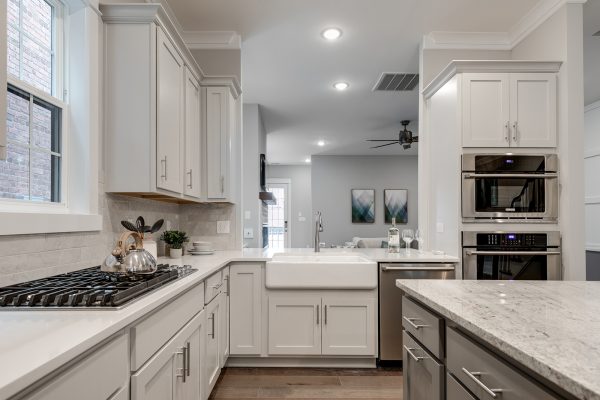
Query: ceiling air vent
x,y
396,82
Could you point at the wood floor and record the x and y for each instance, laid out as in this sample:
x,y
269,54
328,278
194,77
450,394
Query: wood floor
x,y
309,383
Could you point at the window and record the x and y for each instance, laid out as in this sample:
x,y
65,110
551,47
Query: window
x,y
32,170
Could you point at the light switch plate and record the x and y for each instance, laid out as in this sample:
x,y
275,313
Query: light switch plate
x,y
247,214
248,233
440,227
223,227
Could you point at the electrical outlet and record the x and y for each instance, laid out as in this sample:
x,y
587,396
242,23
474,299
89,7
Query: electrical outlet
x,y
440,227
247,214
248,233
223,227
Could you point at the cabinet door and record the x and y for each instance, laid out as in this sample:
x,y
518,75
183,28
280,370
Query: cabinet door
x,y
212,359
192,136
170,373
294,325
217,141
423,374
485,105
533,110
246,288
169,115
224,320
349,325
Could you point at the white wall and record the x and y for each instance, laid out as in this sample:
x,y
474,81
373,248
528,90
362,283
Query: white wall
x,y
561,38
334,176
254,145
300,222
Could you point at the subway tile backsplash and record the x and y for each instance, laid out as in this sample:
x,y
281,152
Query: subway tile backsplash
x,y
26,257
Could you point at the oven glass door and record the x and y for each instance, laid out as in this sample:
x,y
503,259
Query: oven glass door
x,y
512,267
510,195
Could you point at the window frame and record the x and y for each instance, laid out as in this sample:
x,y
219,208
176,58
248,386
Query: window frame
x,y
55,98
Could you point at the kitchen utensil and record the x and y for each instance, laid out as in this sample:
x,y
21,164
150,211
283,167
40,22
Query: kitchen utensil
x,y
130,259
129,226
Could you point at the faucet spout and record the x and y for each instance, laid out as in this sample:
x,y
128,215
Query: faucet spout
x,y
318,229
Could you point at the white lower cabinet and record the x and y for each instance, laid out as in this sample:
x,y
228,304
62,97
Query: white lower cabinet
x,y
225,317
101,375
174,372
212,357
340,324
294,325
348,325
246,287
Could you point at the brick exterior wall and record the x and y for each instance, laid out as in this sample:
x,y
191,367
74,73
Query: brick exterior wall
x,y
27,173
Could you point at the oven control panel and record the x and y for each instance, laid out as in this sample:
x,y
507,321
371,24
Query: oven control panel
x,y
512,239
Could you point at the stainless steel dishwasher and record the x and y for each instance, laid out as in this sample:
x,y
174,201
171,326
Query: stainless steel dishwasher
x,y
390,301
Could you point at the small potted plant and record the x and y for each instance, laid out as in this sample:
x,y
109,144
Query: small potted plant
x,y
175,240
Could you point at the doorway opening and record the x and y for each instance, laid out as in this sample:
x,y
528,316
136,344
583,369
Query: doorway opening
x,y
278,214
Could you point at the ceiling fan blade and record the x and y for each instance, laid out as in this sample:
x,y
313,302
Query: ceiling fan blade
x,y
382,140
387,144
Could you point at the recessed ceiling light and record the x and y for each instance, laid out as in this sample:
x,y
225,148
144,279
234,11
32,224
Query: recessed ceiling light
x,y
321,143
341,85
331,33
307,160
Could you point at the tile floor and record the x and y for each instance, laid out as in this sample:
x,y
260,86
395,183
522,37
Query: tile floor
x,y
308,383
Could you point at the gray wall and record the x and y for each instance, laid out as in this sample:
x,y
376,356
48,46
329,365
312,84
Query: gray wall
x,y
254,145
300,196
334,176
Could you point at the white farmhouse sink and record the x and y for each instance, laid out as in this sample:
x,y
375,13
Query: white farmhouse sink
x,y
321,271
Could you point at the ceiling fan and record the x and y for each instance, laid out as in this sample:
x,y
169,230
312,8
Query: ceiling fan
x,y
405,138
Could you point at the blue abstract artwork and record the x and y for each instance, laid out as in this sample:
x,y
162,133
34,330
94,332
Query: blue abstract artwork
x,y
363,206
395,204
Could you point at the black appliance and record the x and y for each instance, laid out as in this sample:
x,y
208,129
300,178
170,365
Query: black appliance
x,y
512,255
509,187
86,288
266,197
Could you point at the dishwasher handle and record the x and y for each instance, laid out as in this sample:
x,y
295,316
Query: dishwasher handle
x,y
429,268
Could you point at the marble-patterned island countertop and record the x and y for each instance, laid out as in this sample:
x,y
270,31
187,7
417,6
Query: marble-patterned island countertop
x,y
550,327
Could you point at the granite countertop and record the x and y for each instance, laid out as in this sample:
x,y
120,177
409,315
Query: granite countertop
x,y
35,343
551,327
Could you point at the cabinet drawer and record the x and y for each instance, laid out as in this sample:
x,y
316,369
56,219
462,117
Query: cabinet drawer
x,y
485,374
425,326
456,391
153,332
213,285
96,377
423,374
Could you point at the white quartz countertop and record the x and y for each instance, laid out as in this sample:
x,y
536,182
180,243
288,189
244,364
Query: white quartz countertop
x,y
551,327
35,343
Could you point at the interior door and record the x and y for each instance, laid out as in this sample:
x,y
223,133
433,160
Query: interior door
x,y
533,110
192,136
169,110
486,114
348,325
295,325
278,215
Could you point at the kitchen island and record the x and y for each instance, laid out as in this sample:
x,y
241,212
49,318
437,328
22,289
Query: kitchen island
x,y
549,330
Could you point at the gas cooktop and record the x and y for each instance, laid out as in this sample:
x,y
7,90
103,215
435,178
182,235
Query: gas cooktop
x,y
88,288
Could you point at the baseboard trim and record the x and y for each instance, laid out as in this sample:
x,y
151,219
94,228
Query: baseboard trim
x,y
290,362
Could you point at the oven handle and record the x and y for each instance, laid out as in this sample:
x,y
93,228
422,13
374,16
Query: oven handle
x,y
512,253
548,175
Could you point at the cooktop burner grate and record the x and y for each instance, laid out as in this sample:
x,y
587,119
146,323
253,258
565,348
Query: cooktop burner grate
x,y
87,288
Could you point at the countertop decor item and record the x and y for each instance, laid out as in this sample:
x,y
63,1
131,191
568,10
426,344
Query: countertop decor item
x,y
129,259
175,240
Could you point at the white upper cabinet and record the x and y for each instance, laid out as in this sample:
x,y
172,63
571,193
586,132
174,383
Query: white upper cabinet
x,y
170,113
220,123
533,110
509,109
486,114
192,136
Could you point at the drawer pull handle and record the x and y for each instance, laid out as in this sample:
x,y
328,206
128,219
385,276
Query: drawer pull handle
x,y
412,355
473,375
416,326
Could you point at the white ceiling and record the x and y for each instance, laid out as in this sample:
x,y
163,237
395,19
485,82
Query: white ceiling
x,y
591,51
289,69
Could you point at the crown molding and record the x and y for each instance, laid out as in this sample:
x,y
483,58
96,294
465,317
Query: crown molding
x,y
438,40
212,40
231,82
491,66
